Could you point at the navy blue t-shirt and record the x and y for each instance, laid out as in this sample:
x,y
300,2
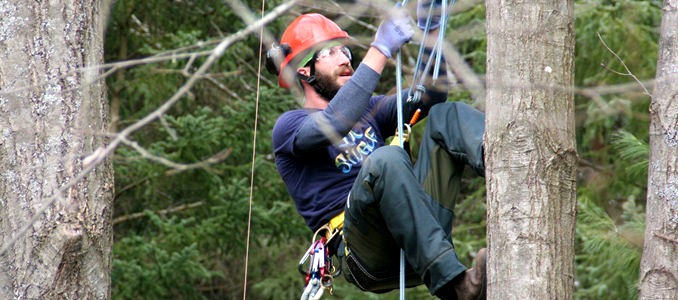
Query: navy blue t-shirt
x,y
319,181
319,153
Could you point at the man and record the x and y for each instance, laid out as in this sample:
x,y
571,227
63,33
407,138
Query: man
x,y
332,157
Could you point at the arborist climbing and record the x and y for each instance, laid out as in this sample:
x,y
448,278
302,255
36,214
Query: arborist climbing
x,y
364,199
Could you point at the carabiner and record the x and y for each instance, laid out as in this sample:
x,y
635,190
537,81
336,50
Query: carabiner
x,y
327,280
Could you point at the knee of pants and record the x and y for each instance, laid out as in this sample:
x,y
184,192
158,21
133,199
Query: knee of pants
x,y
384,162
392,156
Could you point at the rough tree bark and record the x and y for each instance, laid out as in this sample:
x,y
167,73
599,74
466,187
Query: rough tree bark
x,y
659,264
55,231
531,154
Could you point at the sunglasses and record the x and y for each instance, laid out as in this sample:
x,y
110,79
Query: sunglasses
x,y
333,50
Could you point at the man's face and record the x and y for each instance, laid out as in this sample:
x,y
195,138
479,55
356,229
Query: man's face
x,y
332,70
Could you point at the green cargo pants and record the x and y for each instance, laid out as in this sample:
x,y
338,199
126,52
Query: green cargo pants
x,y
394,205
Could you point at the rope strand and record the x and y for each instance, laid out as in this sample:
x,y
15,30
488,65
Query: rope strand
x,y
254,154
400,138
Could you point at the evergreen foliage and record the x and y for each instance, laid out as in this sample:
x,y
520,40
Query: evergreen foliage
x,y
608,258
634,153
190,240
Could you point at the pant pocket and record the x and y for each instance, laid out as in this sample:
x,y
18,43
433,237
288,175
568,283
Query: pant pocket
x,y
356,273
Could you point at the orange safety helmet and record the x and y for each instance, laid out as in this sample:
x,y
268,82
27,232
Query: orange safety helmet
x,y
305,32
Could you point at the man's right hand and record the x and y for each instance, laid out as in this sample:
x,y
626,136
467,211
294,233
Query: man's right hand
x,y
393,32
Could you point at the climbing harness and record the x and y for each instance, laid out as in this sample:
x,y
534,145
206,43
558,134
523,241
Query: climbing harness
x,y
320,272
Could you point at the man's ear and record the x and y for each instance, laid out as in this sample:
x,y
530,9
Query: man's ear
x,y
304,73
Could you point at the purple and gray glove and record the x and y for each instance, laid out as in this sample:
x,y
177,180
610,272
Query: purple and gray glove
x,y
423,9
393,32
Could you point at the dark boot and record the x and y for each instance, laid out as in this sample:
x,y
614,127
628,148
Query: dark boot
x,y
472,285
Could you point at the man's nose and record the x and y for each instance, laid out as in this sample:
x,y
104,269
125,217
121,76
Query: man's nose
x,y
342,57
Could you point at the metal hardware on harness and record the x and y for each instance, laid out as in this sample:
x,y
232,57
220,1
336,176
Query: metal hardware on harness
x,y
415,94
321,271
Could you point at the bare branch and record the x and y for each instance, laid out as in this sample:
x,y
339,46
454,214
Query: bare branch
x,y
177,167
223,87
92,161
251,69
138,215
628,72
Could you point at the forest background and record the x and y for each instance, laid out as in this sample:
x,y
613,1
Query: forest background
x,y
184,186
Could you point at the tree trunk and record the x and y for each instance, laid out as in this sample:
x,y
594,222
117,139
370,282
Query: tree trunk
x,y
531,154
55,230
659,264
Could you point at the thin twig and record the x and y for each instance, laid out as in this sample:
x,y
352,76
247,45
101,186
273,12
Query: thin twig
x,y
251,69
178,167
628,72
90,162
222,87
170,130
160,212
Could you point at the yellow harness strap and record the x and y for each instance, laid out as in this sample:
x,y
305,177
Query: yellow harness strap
x,y
332,228
337,222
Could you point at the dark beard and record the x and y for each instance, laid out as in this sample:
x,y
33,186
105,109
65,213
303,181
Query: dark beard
x,y
326,86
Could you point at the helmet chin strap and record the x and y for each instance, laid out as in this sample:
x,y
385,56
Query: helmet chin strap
x,y
315,84
309,79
